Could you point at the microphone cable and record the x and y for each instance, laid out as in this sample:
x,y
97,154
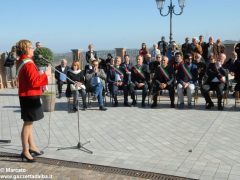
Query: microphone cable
x,y
50,114
51,91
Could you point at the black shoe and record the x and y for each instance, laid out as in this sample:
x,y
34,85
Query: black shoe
x,y
115,104
143,104
35,153
102,108
209,105
190,105
172,105
154,105
220,108
26,158
94,98
84,108
74,109
181,106
126,104
134,103
60,96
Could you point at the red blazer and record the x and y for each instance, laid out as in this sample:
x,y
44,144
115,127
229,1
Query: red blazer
x,y
29,79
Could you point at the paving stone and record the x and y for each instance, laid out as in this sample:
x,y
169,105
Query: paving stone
x,y
152,139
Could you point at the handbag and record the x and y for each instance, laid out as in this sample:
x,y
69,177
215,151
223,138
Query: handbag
x,y
76,88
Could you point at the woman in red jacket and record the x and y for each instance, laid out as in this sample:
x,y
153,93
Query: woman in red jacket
x,y
30,83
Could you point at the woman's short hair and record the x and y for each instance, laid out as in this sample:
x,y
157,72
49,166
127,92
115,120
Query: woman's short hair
x,y
22,46
90,46
76,63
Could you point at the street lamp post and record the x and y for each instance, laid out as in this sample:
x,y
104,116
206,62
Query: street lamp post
x,y
171,11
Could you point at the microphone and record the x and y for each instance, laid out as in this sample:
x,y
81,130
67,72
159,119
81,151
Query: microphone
x,y
41,57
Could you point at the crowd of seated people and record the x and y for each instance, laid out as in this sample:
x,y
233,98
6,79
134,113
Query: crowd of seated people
x,y
197,64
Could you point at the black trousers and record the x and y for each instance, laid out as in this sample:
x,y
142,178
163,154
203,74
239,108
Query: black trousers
x,y
144,89
114,91
216,86
170,91
59,85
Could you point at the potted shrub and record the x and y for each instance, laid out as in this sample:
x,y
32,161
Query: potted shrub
x,y
48,101
48,98
46,53
39,55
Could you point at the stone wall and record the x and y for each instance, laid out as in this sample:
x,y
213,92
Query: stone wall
x,y
229,48
3,83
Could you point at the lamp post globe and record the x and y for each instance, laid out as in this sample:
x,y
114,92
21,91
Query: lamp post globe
x,y
171,11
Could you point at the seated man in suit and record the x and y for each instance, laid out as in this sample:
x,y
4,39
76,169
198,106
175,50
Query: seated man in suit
x,y
127,66
96,78
115,79
186,78
140,77
61,77
163,79
215,81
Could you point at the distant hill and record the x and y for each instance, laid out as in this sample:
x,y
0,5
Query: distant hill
x,y
230,42
101,54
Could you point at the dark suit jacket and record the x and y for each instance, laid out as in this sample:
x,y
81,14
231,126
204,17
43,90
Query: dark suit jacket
x,y
186,48
136,78
126,68
161,78
215,51
182,77
213,72
59,68
88,56
164,46
112,73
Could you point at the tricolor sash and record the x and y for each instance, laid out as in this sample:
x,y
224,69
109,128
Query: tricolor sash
x,y
164,73
21,64
139,72
187,72
117,69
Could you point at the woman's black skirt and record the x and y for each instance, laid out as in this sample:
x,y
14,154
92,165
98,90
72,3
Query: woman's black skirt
x,y
31,108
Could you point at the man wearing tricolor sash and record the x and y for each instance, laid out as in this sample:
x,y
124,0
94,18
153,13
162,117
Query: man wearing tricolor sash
x,y
163,79
115,77
186,78
127,67
140,77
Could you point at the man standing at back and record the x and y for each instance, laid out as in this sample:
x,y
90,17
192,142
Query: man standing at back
x,y
163,46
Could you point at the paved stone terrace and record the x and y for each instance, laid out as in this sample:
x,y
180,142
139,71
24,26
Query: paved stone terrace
x,y
193,143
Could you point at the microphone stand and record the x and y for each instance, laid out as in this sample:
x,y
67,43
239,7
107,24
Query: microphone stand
x,y
79,146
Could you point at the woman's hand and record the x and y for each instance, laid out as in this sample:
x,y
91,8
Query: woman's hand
x,y
78,84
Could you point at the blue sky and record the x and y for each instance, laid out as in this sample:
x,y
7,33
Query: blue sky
x,y
66,24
